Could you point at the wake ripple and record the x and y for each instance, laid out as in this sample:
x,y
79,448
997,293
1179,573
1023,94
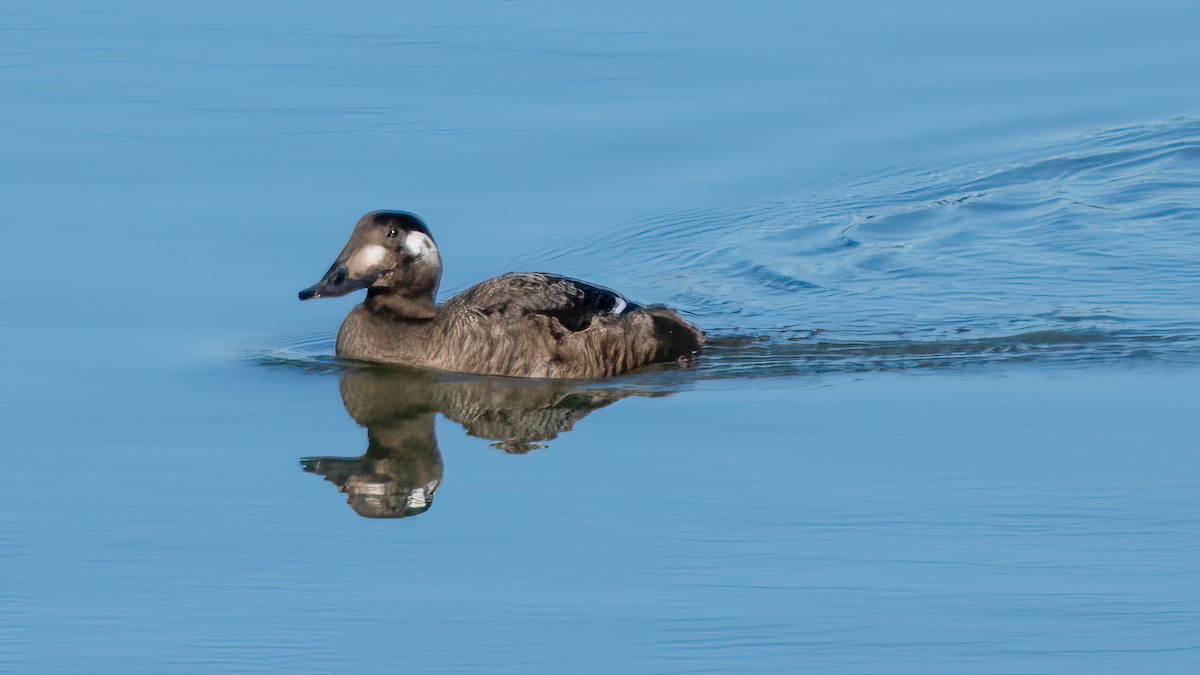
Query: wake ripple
x,y
1083,250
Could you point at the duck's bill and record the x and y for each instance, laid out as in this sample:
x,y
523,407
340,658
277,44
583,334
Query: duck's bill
x,y
336,282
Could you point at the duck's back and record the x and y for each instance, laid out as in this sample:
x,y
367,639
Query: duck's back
x,y
539,325
521,295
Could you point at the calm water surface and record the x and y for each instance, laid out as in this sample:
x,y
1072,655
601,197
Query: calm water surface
x,y
949,258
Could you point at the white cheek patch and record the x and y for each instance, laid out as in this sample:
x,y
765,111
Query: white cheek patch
x,y
421,247
366,260
620,305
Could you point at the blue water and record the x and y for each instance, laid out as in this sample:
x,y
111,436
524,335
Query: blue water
x,y
947,254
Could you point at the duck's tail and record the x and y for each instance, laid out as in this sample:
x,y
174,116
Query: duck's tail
x,y
679,339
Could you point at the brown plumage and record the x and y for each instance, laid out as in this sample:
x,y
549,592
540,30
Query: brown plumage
x,y
523,325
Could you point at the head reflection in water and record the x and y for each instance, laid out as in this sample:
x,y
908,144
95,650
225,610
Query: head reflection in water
x,y
402,468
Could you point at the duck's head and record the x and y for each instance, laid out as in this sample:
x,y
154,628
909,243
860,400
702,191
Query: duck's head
x,y
393,256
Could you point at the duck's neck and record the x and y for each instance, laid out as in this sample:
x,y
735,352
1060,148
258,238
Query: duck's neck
x,y
401,304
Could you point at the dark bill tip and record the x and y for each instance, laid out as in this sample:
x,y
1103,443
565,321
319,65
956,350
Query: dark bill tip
x,y
335,283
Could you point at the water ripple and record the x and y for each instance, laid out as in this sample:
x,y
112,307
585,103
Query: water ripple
x,y
1044,254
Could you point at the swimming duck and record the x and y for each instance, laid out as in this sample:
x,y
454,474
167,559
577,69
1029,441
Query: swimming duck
x,y
517,324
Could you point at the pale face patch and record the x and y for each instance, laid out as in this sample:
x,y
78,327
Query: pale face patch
x,y
620,305
421,247
368,259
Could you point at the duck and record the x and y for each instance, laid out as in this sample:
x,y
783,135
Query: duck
x,y
520,324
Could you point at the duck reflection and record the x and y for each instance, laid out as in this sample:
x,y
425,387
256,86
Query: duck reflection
x,y
402,468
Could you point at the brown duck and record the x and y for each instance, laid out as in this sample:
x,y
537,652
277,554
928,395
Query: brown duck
x,y
520,324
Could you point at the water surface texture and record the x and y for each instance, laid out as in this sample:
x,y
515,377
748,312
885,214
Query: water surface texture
x,y
949,258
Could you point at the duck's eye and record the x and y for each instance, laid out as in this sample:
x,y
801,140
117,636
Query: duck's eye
x,y
395,232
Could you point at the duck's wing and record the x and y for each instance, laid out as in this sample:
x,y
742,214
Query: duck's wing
x,y
572,302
